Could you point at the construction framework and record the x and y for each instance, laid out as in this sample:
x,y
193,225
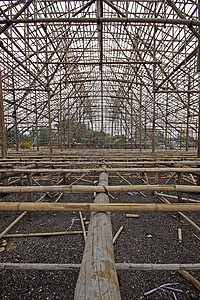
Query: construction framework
x,y
119,79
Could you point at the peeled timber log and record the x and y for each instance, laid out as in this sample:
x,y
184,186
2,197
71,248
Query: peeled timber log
x,y
98,278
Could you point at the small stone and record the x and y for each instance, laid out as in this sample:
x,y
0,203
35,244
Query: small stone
x,y
2,249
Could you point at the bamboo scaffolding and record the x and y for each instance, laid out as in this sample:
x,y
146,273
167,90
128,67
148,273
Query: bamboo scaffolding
x,y
21,235
176,197
102,20
5,172
101,207
119,266
99,189
181,214
2,123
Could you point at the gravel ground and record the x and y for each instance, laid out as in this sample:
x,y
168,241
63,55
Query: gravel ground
x,y
151,238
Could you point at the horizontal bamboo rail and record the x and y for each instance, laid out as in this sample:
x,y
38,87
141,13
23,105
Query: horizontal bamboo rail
x,y
19,235
99,189
99,170
4,175
103,20
119,266
103,207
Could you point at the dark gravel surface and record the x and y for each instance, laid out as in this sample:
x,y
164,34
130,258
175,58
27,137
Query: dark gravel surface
x,y
151,238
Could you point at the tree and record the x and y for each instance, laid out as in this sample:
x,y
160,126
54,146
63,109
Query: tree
x,y
44,136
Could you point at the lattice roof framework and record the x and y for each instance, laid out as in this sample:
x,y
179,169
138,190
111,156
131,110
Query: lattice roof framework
x,y
96,68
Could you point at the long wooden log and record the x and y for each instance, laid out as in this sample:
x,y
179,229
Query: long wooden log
x,y
119,266
99,189
101,207
98,278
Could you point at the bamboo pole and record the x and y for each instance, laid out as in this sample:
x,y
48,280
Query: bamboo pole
x,y
6,174
117,234
99,189
83,226
103,20
29,169
181,214
29,197
19,235
17,219
101,207
190,278
2,123
176,197
119,266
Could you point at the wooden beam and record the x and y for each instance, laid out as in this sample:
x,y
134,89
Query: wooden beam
x,y
98,277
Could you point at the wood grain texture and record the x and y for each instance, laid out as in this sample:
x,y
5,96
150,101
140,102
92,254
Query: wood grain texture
x,y
98,278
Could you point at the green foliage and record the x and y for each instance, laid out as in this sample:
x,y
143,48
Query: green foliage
x,y
44,136
160,137
11,137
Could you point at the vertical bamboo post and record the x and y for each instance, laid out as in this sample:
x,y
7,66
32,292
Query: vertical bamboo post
x,y
179,182
98,277
198,69
2,123
140,117
15,114
29,197
36,121
69,127
131,123
49,115
166,119
48,95
61,123
154,82
188,117
145,127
